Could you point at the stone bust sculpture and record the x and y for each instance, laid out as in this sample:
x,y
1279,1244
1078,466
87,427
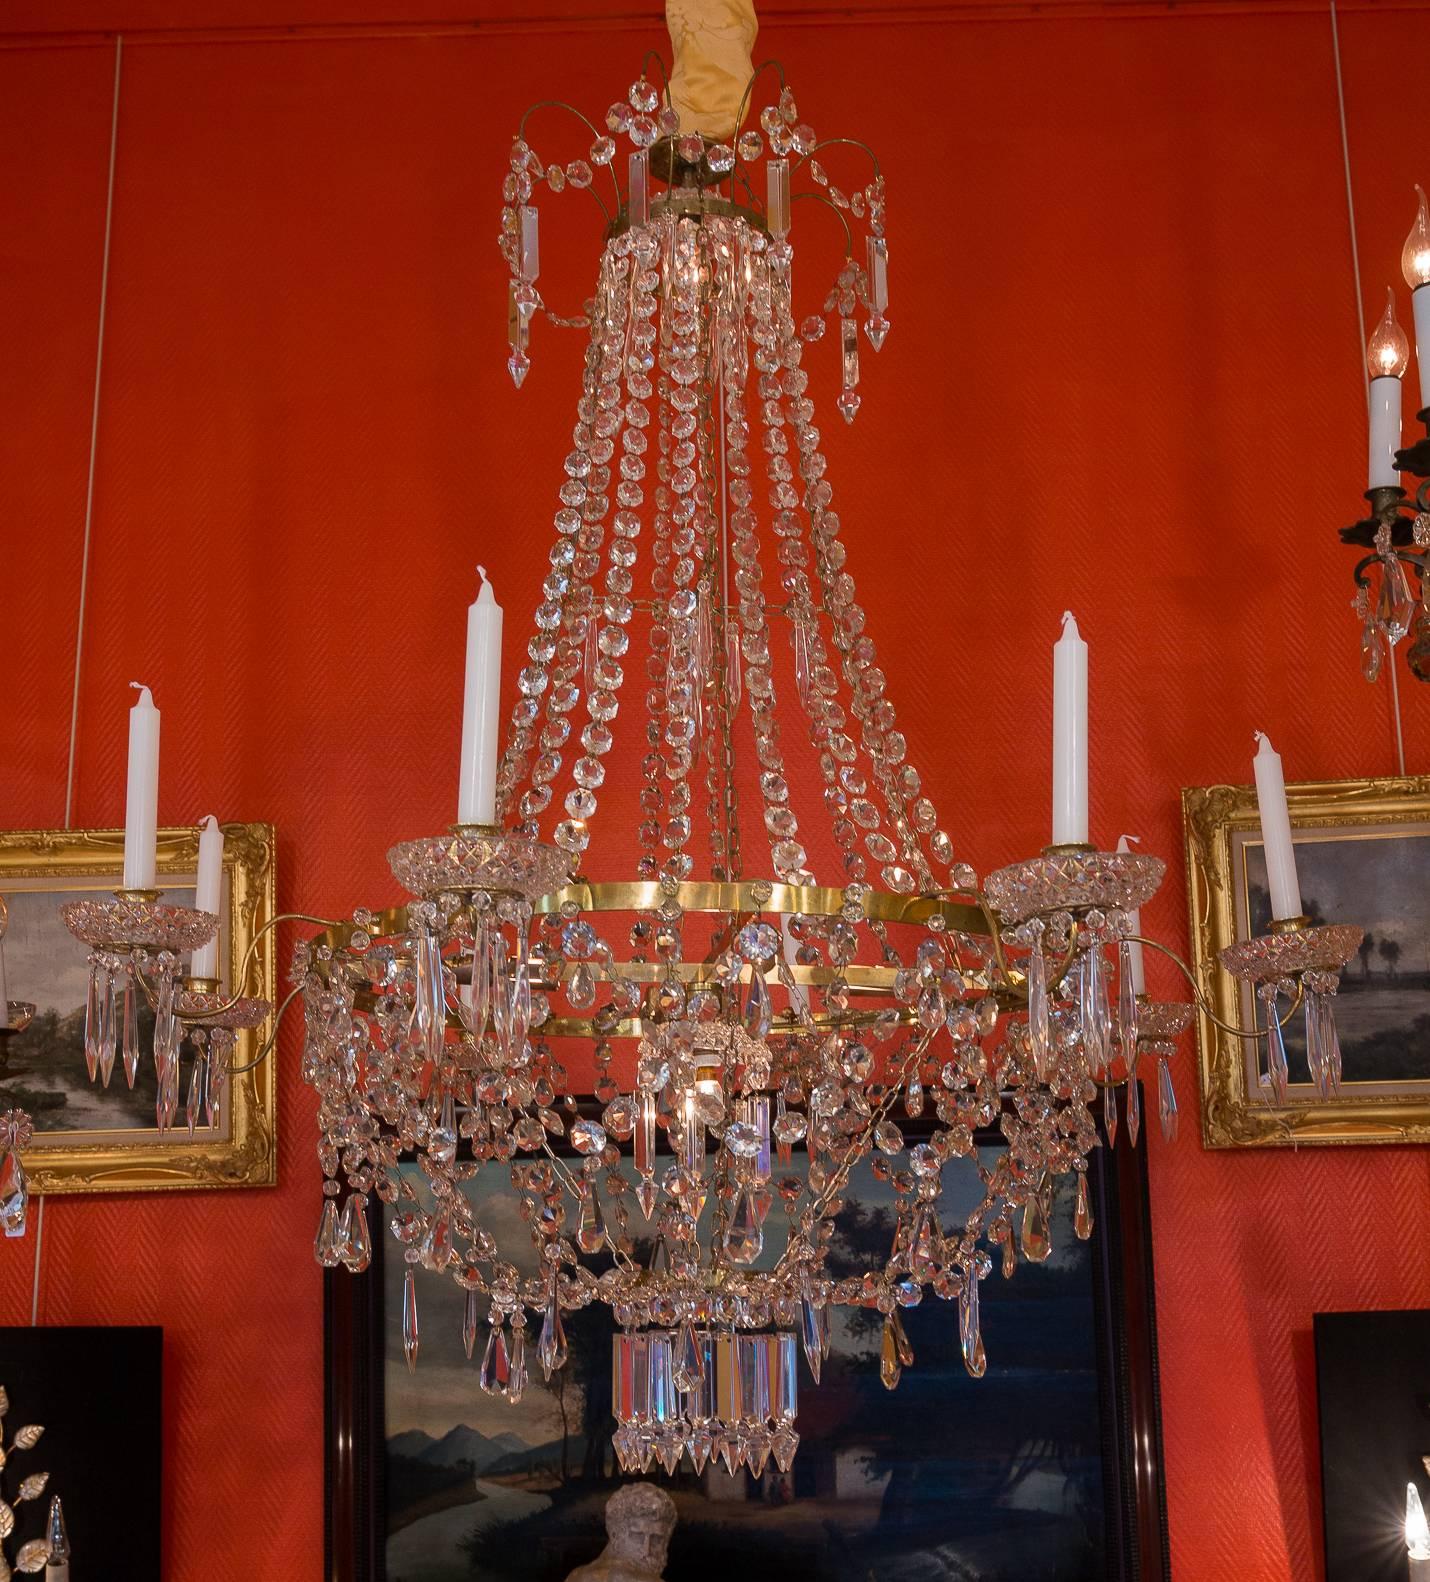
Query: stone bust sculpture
x,y
639,1521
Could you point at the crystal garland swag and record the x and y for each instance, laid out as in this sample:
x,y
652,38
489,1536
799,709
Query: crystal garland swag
x,y
768,1018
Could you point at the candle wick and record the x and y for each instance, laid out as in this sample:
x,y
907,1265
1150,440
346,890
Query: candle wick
x,y
482,572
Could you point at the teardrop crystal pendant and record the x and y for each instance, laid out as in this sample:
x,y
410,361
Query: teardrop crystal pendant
x,y
1036,1238
1134,1110
1276,1053
744,1236
688,1369
91,1021
14,1194
1039,1025
516,1386
591,1231
890,1368
357,1246
809,1331
1126,1008
495,1372
129,1045
1395,607
470,1316
970,1336
1109,1114
1166,1102
410,1335
107,1030
328,1243
551,1347
1082,1214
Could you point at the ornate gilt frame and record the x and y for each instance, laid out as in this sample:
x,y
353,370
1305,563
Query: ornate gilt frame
x,y
1212,817
90,858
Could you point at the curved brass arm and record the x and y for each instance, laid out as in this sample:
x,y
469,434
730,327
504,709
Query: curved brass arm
x,y
834,142
272,1039
595,131
1200,998
250,956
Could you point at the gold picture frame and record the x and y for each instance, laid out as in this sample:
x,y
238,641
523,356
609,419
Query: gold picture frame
x,y
1383,1013
113,1150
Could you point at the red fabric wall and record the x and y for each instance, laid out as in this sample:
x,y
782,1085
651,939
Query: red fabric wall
x,y
1123,376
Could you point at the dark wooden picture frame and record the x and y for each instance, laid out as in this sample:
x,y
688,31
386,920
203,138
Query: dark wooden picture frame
x,y
1134,1492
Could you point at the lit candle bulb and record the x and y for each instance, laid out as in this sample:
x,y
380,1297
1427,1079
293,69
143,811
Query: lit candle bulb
x,y
477,797
1276,831
1134,926
1417,1535
208,893
1069,737
1387,357
1415,263
141,808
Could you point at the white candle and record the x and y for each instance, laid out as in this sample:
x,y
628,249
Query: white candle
x,y
1276,831
1069,737
1134,926
208,893
477,798
1387,356
1415,265
141,809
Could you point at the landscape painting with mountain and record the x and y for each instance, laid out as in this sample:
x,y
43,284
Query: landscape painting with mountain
x,y
42,1070
1380,879
984,1480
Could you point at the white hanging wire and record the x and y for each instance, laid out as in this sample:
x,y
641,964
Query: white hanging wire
x,y
84,554
1360,324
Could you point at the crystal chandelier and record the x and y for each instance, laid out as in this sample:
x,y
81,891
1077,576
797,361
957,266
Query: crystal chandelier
x,y
1387,605
756,1030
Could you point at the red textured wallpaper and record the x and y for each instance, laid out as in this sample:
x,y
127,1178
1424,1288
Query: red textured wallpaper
x,y
1123,376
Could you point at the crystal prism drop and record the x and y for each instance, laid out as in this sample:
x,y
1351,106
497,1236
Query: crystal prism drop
x,y
357,1246
14,1194
809,1333
758,1011
924,1245
1371,651
1126,1007
1395,608
1109,1114
469,1324
744,1238
410,1336
783,1445
1276,1053
689,1368
1333,1048
1036,1238
328,1243
1134,1110
970,1337
1010,1256
516,1386
1166,1102
551,1347
591,1232
130,1035
194,1102
107,1030
1039,1030
1082,1214
646,1194
91,1023
495,1372
890,1369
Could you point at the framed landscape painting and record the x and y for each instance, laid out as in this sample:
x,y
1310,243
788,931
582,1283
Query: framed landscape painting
x,y
94,1138
1048,1469
1363,857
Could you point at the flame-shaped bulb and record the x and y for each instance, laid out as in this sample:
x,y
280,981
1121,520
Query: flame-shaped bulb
x,y
1415,255
1388,354
1417,1530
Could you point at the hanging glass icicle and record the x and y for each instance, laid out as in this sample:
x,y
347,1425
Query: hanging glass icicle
x,y
1037,1240
91,1019
1109,1113
411,1337
129,1036
1039,1022
1082,1214
495,1373
970,1335
328,1243
1126,1009
1134,1110
1277,1068
1166,1101
471,1316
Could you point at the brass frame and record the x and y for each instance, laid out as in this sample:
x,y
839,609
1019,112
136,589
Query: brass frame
x,y
91,858
1231,1118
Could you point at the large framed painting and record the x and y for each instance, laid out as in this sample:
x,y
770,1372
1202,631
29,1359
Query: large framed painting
x,y
93,1138
1363,856
1048,1469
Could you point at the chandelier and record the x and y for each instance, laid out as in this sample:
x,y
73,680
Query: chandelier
x,y
796,964
1397,531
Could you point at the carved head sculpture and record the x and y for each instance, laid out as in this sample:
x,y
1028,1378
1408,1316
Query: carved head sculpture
x,y
639,1521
